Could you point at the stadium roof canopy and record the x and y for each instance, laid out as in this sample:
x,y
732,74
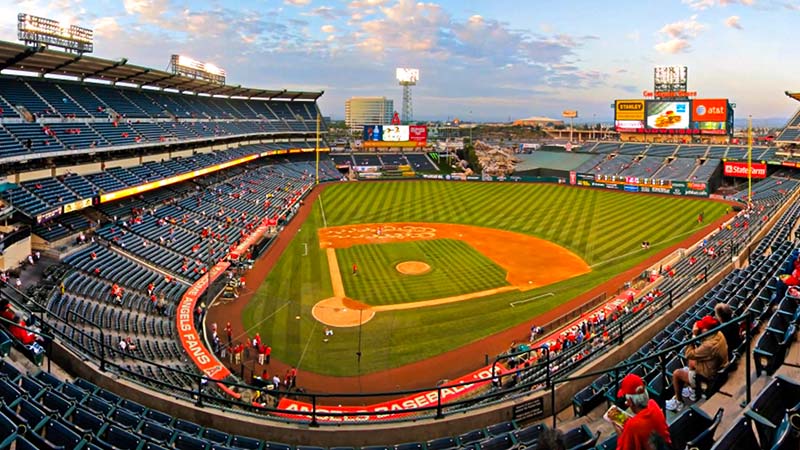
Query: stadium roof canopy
x,y
794,95
45,61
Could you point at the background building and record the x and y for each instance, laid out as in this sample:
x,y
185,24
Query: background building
x,y
360,111
545,122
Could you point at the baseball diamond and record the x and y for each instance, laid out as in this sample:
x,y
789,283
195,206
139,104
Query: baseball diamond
x,y
487,245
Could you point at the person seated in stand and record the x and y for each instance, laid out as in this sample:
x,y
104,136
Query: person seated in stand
x,y
647,429
705,358
732,331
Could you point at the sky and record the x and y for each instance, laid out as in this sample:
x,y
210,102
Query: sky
x,y
479,60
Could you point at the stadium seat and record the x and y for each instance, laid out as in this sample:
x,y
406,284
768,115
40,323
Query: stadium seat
x,y
777,400
528,436
611,443
119,438
410,446
184,442
443,443
471,436
247,443
503,442
770,351
580,438
693,428
739,436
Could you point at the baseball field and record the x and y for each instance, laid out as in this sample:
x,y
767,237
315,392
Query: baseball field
x,y
403,271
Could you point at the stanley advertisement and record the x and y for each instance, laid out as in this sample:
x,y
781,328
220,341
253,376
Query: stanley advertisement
x,y
629,110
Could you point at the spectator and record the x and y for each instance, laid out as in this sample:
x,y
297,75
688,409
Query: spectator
x,y
647,429
731,331
705,357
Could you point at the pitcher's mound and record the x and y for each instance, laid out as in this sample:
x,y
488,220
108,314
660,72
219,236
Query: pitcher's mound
x,y
342,312
412,268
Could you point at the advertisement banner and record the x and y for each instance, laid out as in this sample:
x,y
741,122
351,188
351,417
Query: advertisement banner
x,y
418,133
395,133
667,115
77,205
629,126
406,144
711,127
573,177
47,215
629,110
710,110
739,169
569,114
372,133
395,409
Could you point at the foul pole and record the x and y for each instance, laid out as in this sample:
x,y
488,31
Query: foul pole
x,y
749,159
316,148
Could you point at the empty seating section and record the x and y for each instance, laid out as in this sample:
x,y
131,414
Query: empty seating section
x,y
58,99
18,93
693,151
420,162
9,146
644,167
677,169
661,150
95,115
632,149
705,170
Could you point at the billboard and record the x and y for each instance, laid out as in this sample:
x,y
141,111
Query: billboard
x,y
629,126
373,133
739,169
711,127
569,114
418,133
629,110
710,110
406,136
395,133
668,115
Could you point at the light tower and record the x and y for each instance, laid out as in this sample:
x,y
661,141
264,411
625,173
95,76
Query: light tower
x,y
407,78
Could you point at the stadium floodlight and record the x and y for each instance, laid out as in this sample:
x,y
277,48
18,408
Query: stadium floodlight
x,y
673,79
407,78
35,30
406,75
190,67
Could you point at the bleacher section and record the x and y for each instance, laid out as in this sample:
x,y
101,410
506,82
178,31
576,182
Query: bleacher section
x,y
82,116
38,196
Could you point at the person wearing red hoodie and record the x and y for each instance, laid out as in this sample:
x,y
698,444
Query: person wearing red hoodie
x,y
23,335
647,429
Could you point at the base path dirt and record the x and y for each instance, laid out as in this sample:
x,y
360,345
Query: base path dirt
x,y
427,372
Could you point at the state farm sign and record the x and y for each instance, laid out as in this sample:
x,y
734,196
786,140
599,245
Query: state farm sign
x,y
739,169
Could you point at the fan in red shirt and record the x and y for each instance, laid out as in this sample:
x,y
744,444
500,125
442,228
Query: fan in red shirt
x,y
648,426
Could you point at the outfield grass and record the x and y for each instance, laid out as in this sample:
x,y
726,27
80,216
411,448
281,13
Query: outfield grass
x,y
456,268
605,228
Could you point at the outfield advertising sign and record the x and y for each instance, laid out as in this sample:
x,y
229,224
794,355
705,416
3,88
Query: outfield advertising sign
x,y
739,169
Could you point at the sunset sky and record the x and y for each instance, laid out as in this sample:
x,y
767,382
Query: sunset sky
x,y
479,60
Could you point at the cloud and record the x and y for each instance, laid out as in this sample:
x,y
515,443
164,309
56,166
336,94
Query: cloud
x,y
676,36
733,22
328,29
701,5
698,4
673,46
297,2
634,36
